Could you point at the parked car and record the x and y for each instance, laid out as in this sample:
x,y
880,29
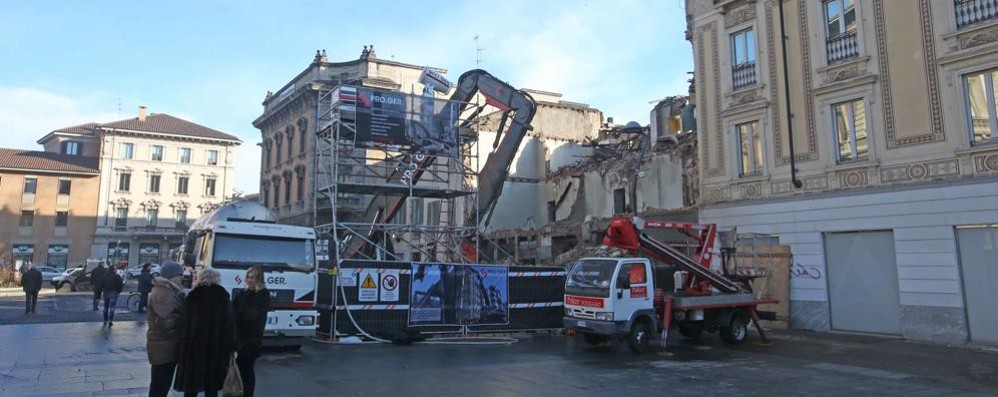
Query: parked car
x,y
48,273
64,278
135,271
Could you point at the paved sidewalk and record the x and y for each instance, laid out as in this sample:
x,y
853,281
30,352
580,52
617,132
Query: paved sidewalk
x,y
82,359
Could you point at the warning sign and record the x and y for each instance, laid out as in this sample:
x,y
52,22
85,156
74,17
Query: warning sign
x,y
390,286
368,291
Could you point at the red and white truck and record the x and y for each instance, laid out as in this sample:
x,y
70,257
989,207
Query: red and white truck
x,y
636,298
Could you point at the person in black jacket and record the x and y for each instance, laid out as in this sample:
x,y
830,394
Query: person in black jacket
x,y
96,278
31,283
251,306
145,286
207,339
111,286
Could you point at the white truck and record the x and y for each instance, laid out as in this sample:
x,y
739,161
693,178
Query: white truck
x,y
242,234
633,299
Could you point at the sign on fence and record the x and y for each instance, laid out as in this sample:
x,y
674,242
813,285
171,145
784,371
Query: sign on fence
x,y
446,294
368,291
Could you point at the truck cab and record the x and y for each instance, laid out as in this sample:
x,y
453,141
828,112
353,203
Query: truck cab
x,y
611,297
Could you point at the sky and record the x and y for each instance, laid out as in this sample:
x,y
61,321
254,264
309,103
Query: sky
x,y
211,62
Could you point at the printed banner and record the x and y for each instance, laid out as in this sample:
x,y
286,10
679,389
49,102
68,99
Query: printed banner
x,y
447,294
401,121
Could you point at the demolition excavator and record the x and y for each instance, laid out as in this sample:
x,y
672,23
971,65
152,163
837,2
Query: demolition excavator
x,y
516,109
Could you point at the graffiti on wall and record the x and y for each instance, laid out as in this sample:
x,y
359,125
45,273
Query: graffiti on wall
x,y
808,272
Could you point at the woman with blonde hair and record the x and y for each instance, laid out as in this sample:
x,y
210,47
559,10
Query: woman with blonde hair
x,y
208,339
251,305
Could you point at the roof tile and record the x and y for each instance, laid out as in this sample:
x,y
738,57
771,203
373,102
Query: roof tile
x,y
47,161
166,124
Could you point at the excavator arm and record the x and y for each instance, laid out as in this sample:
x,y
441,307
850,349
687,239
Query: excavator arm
x,y
517,109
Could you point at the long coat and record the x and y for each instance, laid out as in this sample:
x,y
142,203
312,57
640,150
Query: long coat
x,y
207,341
251,318
31,280
166,303
145,282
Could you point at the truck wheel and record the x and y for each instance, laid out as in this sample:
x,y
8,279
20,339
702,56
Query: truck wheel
x,y
690,331
592,339
638,339
736,333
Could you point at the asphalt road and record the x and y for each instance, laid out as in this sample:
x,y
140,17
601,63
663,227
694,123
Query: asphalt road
x,y
84,359
64,307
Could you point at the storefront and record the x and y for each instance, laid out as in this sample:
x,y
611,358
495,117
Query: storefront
x,y
23,253
58,256
148,253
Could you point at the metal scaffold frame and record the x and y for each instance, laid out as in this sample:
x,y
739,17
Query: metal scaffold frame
x,y
349,177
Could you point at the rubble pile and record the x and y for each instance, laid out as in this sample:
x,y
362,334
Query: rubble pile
x,y
584,251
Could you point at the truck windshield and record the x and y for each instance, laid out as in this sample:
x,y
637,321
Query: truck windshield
x,y
590,277
272,253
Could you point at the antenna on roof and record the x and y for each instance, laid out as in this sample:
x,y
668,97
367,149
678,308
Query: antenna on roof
x,y
478,53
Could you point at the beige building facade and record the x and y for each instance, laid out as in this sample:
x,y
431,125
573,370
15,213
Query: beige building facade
x,y
48,208
893,120
287,127
158,173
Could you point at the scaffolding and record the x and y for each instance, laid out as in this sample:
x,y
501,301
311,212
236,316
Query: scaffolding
x,y
369,198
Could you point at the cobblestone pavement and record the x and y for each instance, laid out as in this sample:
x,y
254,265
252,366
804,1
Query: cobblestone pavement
x,y
84,359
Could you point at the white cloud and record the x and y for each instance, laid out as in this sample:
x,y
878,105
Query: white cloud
x,y
27,114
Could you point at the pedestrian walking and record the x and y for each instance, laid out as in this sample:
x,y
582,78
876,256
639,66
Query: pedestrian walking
x,y
96,278
251,306
111,287
208,340
166,303
145,286
31,283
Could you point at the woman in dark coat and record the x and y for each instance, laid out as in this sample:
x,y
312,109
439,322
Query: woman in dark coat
x,y
251,305
208,338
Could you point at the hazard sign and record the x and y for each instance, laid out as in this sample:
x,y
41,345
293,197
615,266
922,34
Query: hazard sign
x,y
390,286
368,291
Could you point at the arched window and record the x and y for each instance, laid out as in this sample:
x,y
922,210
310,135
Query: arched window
x,y
300,176
290,132
302,132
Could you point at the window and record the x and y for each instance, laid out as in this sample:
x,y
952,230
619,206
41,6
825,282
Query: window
x,y
277,153
290,132
301,135
743,59
156,153
277,193
70,147
750,145
433,213
125,150
266,196
65,185
58,256
417,211
30,185
743,47
619,201
840,29
185,155
209,187
636,273
840,17
121,217
27,218
212,157
981,106
287,189
61,218
552,211
124,182
301,184
152,217
154,183
181,218
266,154
182,184
850,130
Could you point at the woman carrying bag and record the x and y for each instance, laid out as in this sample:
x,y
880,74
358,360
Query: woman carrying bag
x,y
251,306
208,338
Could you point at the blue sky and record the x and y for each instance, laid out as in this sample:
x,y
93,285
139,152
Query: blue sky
x,y
211,62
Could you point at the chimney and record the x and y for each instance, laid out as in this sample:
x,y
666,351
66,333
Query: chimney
x,y
142,113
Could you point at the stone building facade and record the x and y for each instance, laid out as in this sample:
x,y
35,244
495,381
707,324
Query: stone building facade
x,y
48,207
158,173
892,108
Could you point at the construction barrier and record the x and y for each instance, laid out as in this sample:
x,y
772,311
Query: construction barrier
x,y
533,296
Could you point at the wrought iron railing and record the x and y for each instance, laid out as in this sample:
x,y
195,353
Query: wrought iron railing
x,y
969,12
843,46
743,75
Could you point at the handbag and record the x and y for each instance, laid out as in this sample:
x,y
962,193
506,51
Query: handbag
x,y
233,386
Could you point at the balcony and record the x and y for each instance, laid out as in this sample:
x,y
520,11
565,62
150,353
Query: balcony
x,y
842,47
141,231
969,12
743,75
